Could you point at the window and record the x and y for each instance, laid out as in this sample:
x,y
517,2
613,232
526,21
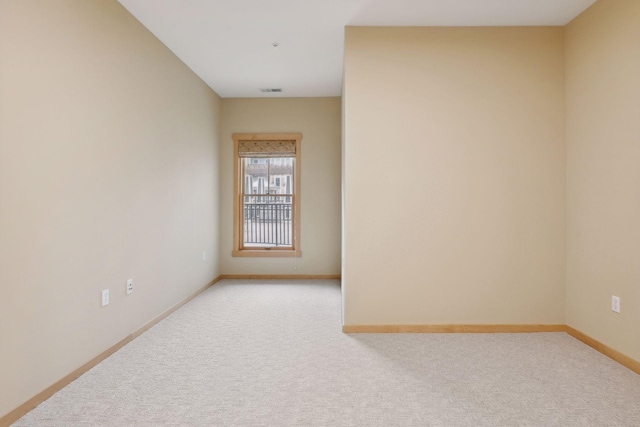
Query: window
x,y
267,195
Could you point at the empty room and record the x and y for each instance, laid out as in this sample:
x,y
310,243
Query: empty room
x,y
319,213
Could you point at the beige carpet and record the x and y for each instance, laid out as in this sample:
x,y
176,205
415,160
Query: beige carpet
x,y
249,353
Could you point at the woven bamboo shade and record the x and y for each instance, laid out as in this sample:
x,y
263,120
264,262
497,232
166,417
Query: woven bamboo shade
x,y
267,148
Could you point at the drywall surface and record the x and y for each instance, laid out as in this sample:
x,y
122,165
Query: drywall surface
x,y
454,176
108,171
319,122
603,173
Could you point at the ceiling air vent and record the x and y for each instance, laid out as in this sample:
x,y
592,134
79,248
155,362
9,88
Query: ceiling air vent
x,y
271,90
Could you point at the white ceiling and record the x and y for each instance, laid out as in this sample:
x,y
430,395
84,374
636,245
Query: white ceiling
x,y
228,43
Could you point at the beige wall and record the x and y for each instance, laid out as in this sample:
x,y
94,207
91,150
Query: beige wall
x,y
108,171
603,173
318,119
454,176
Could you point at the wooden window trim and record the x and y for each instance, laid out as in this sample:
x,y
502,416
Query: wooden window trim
x,y
238,213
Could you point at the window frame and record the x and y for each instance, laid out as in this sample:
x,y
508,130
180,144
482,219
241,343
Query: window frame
x,y
238,212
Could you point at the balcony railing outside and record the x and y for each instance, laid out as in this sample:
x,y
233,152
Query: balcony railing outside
x,y
267,221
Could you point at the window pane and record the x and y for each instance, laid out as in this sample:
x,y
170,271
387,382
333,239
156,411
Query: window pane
x,y
268,221
268,205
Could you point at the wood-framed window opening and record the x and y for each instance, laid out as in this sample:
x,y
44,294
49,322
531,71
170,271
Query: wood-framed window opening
x,y
266,208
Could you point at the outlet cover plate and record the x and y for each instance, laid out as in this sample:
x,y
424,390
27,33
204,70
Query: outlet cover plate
x,y
615,303
105,297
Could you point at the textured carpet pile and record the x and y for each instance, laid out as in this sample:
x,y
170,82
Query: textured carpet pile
x,y
271,353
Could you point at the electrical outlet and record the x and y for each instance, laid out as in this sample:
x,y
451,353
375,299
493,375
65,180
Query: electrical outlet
x,y
105,297
615,303
129,286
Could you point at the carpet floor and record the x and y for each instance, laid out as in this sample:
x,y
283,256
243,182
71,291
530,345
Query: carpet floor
x,y
271,353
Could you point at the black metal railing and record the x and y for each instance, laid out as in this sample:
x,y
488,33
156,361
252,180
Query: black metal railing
x,y
267,223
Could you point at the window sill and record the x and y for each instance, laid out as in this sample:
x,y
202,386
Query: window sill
x,y
267,253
